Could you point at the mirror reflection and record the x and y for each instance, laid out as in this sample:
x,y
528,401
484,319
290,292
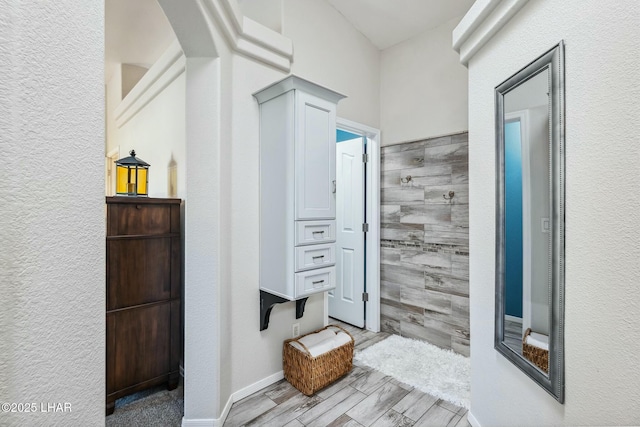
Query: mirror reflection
x,y
527,216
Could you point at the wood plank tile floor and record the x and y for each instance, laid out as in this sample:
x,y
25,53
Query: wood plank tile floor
x,y
364,397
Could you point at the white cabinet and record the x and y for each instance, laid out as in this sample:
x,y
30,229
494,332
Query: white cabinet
x,y
297,188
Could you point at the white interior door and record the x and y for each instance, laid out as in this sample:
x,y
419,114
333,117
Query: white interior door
x,y
345,301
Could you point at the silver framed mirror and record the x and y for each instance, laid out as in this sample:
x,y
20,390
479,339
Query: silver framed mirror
x,y
530,193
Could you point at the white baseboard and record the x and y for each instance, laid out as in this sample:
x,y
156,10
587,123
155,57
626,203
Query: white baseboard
x,y
199,423
472,420
250,389
210,422
219,422
238,395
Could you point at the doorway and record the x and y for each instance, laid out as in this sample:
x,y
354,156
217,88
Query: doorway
x,y
356,298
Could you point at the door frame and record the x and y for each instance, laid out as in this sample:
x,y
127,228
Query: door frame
x,y
372,214
110,171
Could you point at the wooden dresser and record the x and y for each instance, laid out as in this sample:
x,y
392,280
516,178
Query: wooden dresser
x,y
144,342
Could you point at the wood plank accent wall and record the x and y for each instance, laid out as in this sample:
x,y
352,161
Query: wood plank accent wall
x,y
425,241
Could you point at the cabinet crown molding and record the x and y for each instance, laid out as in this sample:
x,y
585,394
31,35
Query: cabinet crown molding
x,y
293,82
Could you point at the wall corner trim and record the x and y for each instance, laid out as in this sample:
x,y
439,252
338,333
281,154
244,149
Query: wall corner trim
x,y
161,74
248,37
481,23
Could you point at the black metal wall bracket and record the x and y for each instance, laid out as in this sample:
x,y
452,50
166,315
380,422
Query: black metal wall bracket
x,y
300,307
268,300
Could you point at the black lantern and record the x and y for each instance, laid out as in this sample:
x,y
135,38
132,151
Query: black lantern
x,y
132,176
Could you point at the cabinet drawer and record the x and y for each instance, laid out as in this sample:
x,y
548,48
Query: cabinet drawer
x,y
312,232
314,281
315,256
142,218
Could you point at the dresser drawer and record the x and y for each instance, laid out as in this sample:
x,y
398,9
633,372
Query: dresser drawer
x,y
142,218
314,281
315,256
312,232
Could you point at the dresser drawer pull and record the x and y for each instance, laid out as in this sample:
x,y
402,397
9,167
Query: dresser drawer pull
x,y
318,232
319,256
318,281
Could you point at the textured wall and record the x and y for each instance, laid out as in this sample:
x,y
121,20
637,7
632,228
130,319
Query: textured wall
x,y
602,233
423,88
52,324
425,241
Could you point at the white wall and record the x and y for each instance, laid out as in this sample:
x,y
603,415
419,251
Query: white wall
x,y
266,12
131,75
225,353
423,88
255,354
156,132
52,258
112,98
329,51
602,232
206,330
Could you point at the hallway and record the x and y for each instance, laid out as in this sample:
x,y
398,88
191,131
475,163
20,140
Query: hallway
x,y
364,397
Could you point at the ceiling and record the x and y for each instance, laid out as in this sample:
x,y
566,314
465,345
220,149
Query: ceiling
x,y
389,22
137,32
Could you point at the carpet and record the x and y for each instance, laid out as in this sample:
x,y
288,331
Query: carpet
x,y
155,407
441,373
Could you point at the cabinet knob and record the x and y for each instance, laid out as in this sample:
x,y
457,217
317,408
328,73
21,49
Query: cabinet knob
x,y
334,186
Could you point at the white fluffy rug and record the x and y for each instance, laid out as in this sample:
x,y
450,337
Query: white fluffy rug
x,y
441,373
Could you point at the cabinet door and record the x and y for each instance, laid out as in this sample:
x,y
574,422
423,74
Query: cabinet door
x,y
139,345
315,157
142,271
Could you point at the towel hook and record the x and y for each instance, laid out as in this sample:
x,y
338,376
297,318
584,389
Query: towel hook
x,y
451,194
